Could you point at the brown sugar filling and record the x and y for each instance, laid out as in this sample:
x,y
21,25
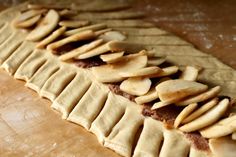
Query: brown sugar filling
x,y
167,115
115,88
89,63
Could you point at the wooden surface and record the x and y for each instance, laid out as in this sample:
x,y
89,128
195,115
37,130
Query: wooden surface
x,y
29,127
210,25
24,116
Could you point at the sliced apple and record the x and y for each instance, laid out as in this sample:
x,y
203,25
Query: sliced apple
x,y
94,27
102,31
148,97
160,104
175,90
113,35
28,23
107,47
234,135
184,113
80,50
204,108
147,71
156,61
97,51
67,13
113,57
208,118
222,128
74,24
57,33
136,86
45,26
213,92
28,15
110,72
127,46
85,35
190,73
47,6
166,72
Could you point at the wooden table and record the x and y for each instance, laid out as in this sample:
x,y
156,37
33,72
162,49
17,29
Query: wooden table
x,y
24,116
210,25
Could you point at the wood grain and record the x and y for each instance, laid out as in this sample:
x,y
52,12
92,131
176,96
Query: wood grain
x,y
29,127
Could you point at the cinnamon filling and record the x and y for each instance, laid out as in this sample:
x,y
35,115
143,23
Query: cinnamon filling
x,y
116,89
89,63
167,115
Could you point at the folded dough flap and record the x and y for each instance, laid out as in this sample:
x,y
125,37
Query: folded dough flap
x,y
223,147
43,74
11,13
174,143
10,45
90,105
30,66
111,113
151,138
123,134
197,153
5,32
57,82
18,56
71,95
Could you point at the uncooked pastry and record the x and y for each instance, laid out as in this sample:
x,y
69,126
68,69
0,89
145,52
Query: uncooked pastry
x,y
114,119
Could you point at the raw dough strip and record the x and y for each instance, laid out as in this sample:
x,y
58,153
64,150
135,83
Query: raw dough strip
x,y
5,32
149,143
57,82
197,153
18,57
94,27
126,23
112,112
157,40
173,50
143,31
10,45
122,137
31,65
67,100
174,144
89,106
100,6
43,74
109,15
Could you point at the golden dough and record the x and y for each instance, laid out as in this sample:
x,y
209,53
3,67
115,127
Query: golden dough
x,y
89,106
68,98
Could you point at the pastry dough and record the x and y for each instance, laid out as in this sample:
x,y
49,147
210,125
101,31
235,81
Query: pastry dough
x,y
15,60
175,144
5,32
122,137
197,153
67,100
43,74
28,68
114,119
150,140
10,45
111,113
89,105
157,40
57,82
